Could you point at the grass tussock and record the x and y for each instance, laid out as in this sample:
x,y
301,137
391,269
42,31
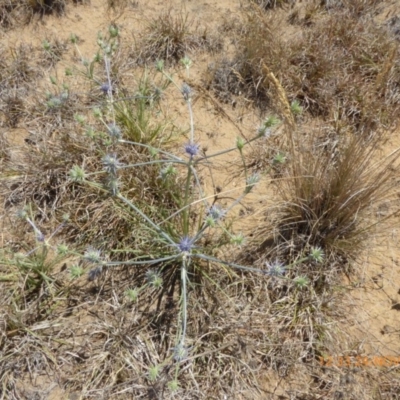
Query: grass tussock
x,y
343,69
48,6
171,36
271,4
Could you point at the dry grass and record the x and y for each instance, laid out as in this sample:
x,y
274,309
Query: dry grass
x,y
172,36
249,336
344,69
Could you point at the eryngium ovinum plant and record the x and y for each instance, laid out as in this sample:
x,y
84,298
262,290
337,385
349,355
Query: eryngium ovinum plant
x,y
181,248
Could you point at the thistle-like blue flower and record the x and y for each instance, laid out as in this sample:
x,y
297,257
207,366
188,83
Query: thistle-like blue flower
x,y
192,149
114,131
92,255
180,353
185,245
216,212
111,164
106,88
275,269
187,92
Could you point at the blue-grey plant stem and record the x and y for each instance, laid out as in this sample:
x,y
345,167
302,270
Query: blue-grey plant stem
x,y
174,157
109,93
35,228
237,201
147,262
243,162
184,299
219,153
232,265
146,218
153,162
189,103
187,189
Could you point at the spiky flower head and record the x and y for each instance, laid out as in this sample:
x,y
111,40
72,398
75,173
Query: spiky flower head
x,y
111,164
275,269
317,254
301,281
187,92
132,294
80,119
180,352
185,245
279,159
160,65
39,236
265,129
92,255
22,214
62,249
251,181
262,131
106,88
296,108
114,131
54,102
238,239
77,174
76,271
154,278
192,149
168,170
215,213
173,385
186,62
154,372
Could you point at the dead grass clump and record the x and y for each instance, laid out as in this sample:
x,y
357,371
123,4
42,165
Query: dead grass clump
x,y
258,41
345,75
48,6
11,12
343,68
327,202
270,4
22,69
170,37
53,51
13,108
355,7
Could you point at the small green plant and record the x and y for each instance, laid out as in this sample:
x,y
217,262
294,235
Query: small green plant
x,y
37,265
